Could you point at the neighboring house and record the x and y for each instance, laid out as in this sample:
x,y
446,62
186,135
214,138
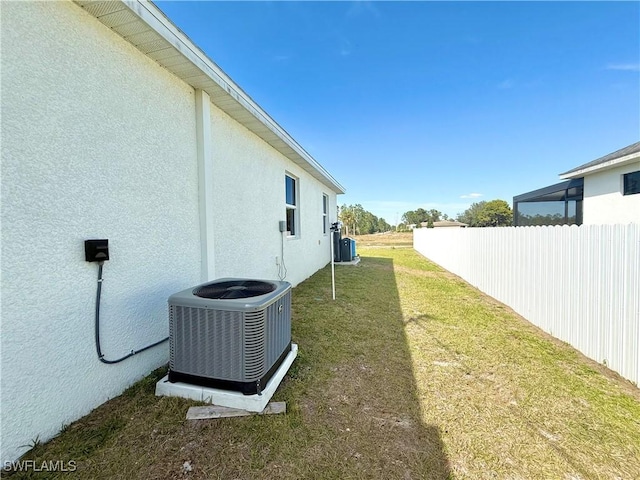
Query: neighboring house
x,y
445,224
604,191
611,187
116,126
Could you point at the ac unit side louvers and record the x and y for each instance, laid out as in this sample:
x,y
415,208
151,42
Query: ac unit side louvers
x,y
232,333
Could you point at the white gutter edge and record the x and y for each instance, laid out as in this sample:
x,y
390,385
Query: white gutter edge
x,y
153,17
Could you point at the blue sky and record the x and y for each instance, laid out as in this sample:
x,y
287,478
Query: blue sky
x,y
433,104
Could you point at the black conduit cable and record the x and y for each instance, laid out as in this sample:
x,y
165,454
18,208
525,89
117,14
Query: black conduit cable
x,y
97,328
282,268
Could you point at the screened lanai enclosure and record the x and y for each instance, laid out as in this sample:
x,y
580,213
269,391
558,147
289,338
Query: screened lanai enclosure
x,y
559,204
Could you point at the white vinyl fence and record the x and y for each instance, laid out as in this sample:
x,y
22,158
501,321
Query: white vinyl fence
x,y
580,284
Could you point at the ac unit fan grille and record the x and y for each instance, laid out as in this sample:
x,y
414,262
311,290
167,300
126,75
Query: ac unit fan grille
x,y
234,289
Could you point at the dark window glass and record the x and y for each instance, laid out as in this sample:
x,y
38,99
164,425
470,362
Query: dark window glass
x,y
291,221
541,213
631,183
290,184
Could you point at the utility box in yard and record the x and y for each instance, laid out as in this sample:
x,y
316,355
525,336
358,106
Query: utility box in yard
x,y
345,249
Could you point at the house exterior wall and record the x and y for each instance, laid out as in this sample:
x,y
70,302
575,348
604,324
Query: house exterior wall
x,y
603,200
87,152
99,141
249,191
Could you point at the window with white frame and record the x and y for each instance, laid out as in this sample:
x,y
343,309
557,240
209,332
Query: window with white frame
x,y
291,200
325,213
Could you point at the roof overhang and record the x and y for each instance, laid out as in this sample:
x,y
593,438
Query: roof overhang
x,y
143,25
602,165
568,190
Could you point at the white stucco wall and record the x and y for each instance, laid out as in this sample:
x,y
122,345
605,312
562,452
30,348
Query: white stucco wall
x,y
603,200
98,141
249,191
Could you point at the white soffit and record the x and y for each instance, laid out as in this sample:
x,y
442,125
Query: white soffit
x,y
143,25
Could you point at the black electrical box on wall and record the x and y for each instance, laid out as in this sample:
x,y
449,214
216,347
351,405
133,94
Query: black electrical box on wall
x,y
96,250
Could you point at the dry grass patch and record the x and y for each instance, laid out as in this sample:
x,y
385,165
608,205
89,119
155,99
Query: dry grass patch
x,y
387,239
409,374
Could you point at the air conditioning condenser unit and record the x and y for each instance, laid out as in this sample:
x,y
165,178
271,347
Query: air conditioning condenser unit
x,y
232,333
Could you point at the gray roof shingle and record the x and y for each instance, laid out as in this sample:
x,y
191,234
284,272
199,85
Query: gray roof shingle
x,y
623,152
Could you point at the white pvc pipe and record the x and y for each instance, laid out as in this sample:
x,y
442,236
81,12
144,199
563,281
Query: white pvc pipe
x,y
333,274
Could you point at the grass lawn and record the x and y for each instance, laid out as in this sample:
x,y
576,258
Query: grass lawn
x,y
409,374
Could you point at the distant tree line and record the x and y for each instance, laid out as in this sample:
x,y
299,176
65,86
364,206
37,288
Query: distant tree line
x,y
495,213
358,221
416,217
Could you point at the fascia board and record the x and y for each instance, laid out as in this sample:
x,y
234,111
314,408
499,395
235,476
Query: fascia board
x,y
148,13
617,162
